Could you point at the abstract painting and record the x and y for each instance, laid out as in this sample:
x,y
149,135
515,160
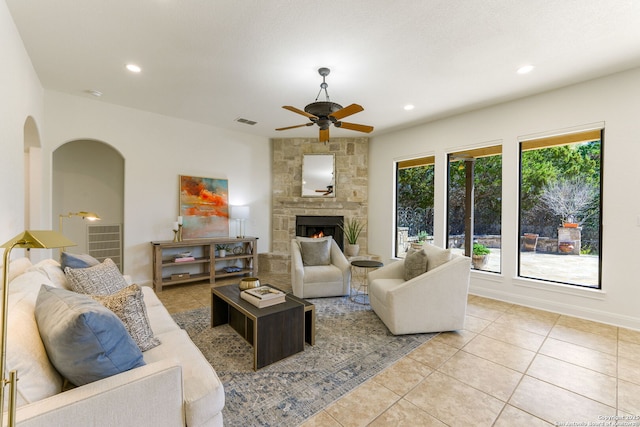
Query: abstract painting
x,y
204,207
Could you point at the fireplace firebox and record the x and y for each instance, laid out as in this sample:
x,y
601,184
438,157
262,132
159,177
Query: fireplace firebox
x,y
318,226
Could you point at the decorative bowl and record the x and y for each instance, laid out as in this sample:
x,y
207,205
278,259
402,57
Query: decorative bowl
x,y
185,254
249,283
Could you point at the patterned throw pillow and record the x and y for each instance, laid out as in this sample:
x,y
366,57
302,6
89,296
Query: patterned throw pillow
x,y
101,279
415,264
128,305
316,253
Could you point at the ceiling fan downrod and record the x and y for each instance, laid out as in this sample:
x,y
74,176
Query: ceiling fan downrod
x,y
324,72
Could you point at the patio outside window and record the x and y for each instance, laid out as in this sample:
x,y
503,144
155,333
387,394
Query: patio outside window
x,y
474,207
560,208
414,203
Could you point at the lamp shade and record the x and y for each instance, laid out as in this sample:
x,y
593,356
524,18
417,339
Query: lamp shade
x,y
41,239
240,212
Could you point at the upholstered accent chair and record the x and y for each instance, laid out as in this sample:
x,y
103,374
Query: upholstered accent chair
x,y
425,292
319,268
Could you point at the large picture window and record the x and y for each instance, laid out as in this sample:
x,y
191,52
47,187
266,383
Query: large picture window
x,y
560,208
414,203
474,207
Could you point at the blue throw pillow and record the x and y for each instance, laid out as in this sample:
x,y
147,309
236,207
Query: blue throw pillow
x,y
77,260
84,340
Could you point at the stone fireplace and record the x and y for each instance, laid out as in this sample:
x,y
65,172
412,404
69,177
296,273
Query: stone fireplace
x,y
351,191
320,226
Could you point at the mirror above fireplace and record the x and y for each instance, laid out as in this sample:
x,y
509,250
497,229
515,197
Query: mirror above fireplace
x,y
318,175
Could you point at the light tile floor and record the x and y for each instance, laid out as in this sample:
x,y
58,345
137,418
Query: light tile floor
x,y
510,366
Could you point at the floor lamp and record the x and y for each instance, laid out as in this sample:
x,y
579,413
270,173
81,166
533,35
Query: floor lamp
x,y
36,239
91,216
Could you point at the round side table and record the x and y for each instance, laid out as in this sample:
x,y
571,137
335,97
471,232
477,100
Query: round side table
x,y
360,286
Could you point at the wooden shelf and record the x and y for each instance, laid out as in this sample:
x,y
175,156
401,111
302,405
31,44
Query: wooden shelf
x,y
204,267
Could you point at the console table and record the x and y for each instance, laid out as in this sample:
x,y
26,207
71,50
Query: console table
x,y
243,255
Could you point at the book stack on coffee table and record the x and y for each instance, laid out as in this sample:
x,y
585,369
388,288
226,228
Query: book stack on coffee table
x,y
264,296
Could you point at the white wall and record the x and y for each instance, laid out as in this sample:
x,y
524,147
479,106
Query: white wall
x,y
156,150
614,100
20,98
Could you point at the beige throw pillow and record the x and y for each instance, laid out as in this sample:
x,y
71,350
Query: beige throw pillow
x,y
437,256
415,264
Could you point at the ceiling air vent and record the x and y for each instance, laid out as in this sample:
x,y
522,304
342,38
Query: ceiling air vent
x,y
245,121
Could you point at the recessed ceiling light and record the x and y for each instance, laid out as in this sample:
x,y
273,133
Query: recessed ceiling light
x,y
95,93
525,69
409,107
133,68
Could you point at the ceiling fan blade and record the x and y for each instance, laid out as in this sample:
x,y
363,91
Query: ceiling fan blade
x,y
324,135
354,126
347,111
296,126
299,111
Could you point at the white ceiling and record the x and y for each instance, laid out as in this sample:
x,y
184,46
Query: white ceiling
x,y
213,61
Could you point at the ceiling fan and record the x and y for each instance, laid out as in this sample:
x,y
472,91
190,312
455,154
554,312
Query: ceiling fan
x,y
325,113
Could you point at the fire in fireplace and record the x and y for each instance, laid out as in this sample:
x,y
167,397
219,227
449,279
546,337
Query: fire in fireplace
x,y
320,226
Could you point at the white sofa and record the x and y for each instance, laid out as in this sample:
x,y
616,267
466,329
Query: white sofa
x,y
176,386
315,281
435,301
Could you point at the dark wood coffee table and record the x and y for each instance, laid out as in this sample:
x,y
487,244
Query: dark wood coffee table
x,y
274,332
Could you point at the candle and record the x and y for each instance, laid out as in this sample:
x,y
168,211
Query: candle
x,y
180,220
175,226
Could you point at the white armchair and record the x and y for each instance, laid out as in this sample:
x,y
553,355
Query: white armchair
x,y
435,301
313,281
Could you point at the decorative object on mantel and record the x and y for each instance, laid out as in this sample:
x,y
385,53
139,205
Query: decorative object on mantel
x,y
352,229
36,239
325,113
204,207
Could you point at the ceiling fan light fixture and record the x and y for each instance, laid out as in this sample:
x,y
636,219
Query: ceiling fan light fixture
x,y
324,113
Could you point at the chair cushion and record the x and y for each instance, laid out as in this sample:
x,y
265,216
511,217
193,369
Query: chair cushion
x,y
77,260
316,253
128,305
415,264
436,256
84,340
101,279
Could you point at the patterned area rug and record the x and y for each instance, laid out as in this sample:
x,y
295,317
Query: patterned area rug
x,y
352,345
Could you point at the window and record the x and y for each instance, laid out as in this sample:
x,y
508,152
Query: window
x,y
474,207
560,208
414,203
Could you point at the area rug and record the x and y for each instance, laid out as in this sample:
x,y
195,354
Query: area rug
x,y
352,345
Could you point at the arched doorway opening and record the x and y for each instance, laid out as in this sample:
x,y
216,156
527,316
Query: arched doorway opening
x,y
88,176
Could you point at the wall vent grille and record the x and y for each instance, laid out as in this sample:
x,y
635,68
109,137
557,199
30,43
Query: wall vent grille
x,y
105,241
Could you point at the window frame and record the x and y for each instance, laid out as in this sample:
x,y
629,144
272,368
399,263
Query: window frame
x,y
574,136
